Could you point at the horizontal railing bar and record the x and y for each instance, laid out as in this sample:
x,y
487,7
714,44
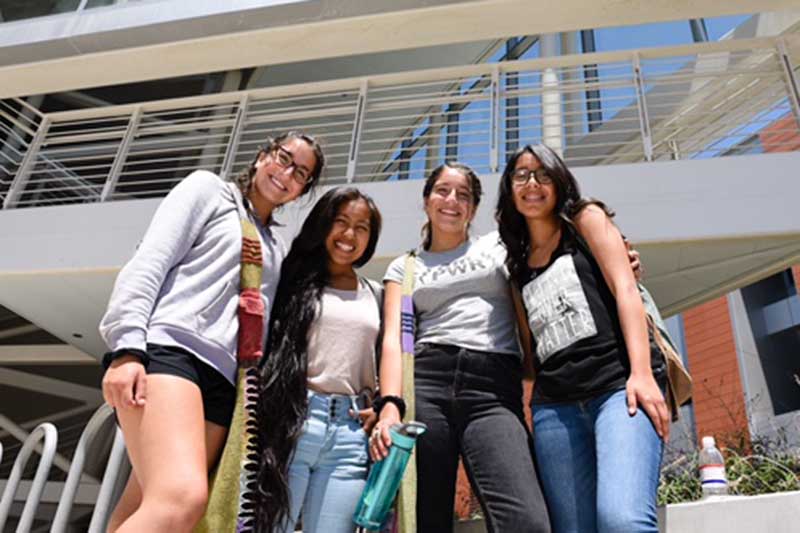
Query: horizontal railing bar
x,y
482,69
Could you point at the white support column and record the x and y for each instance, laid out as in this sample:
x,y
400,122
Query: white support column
x,y
552,119
573,103
23,172
358,124
122,154
236,135
641,101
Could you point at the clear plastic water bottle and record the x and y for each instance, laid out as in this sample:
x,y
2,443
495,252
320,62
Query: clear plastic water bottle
x,y
712,470
385,476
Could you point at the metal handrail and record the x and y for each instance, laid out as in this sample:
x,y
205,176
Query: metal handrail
x,y
695,100
89,434
116,466
48,433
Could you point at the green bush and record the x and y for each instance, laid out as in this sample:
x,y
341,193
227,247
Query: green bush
x,y
762,467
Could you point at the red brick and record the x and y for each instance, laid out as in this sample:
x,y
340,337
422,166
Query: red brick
x,y
718,398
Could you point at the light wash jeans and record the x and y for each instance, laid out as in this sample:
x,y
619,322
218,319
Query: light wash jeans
x,y
329,468
599,466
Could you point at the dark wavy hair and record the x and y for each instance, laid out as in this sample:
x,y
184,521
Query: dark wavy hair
x,y
474,188
282,402
244,179
511,224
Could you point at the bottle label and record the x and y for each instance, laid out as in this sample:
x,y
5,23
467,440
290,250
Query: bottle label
x,y
712,475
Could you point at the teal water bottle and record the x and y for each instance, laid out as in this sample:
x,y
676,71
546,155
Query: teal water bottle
x,y
385,476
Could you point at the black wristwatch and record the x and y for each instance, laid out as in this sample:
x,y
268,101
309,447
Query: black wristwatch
x,y
110,357
381,401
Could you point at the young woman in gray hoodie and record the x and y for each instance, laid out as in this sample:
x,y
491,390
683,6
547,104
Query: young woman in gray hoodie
x,y
171,328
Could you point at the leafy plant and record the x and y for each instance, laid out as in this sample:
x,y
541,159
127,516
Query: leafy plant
x,y
760,466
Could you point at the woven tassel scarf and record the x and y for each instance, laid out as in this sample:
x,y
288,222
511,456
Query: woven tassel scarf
x,y
232,489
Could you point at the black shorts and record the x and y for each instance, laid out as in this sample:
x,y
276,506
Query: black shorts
x,y
219,396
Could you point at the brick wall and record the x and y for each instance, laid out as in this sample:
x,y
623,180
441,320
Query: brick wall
x,y
780,136
796,272
718,396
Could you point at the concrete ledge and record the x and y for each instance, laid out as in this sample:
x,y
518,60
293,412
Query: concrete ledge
x,y
773,513
768,513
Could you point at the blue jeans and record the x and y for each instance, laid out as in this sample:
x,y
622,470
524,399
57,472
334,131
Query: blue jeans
x,y
599,466
329,468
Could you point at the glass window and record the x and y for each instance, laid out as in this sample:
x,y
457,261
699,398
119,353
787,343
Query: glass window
x,y
774,312
11,10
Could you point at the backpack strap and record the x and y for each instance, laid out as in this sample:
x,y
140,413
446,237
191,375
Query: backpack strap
x,y
407,498
377,293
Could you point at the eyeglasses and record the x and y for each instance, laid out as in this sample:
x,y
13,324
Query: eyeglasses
x,y
522,176
283,158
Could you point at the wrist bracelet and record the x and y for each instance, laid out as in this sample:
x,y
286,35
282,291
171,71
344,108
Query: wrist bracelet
x,y
110,357
396,400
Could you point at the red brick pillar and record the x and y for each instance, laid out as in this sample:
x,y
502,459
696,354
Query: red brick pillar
x,y
719,404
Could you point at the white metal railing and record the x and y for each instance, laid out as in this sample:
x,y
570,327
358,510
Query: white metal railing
x,y
694,101
46,432
114,466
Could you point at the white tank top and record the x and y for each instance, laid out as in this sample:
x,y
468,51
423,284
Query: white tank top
x,y
341,344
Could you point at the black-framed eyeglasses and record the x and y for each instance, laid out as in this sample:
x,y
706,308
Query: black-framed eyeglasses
x,y
284,159
522,176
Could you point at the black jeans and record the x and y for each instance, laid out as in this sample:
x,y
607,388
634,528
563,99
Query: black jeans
x,y
472,404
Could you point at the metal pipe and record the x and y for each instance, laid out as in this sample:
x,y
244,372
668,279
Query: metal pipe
x,y
641,101
89,434
358,126
21,435
48,433
116,464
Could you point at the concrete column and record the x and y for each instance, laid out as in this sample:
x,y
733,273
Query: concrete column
x,y
573,119
552,120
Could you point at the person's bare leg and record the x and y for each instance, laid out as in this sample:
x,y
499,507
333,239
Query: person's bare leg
x,y
166,445
128,503
132,495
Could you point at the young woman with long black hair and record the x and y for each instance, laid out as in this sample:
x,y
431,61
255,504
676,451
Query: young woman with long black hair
x,y
172,325
468,374
320,363
599,414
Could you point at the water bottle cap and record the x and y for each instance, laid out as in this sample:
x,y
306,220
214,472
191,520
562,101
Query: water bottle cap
x,y
709,442
405,435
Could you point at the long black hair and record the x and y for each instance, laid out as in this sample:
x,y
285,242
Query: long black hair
x,y
474,187
511,224
282,398
244,179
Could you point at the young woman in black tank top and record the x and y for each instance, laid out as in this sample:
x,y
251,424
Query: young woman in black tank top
x,y
598,409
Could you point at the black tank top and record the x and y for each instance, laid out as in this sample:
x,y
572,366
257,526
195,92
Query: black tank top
x,y
579,349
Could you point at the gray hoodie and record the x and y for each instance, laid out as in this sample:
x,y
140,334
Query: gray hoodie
x,y
181,287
